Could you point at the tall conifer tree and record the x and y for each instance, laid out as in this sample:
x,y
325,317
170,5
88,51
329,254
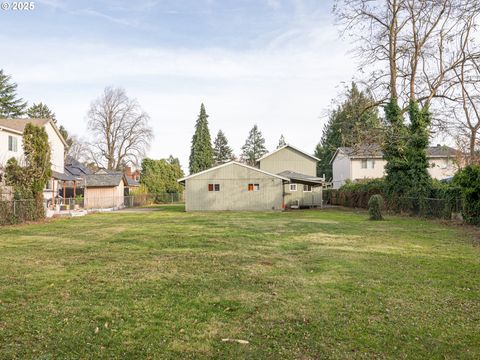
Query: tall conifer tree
x,y
354,122
41,111
10,105
201,153
222,153
254,147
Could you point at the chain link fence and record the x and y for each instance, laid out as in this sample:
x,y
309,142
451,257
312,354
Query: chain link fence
x,y
19,211
423,207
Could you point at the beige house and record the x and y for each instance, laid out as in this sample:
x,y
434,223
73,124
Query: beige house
x,y
11,145
284,178
304,188
233,186
367,162
104,190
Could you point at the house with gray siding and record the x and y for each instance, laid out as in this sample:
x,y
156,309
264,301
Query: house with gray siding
x,y
304,188
284,178
233,186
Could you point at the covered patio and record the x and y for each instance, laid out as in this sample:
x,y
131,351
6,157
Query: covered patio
x,y
303,190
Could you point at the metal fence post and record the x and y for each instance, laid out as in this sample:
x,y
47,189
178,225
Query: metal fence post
x,y
14,208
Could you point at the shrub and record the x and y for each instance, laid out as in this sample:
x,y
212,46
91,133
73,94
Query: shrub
x,y
357,194
468,180
375,207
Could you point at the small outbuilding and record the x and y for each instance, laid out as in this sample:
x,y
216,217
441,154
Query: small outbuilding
x,y
234,186
104,191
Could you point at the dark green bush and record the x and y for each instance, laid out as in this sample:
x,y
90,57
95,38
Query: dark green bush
x,y
356,194
468,179
375,205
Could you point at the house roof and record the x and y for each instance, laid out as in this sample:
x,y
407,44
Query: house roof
x,y
375,151
132,182
103,180
301,178
76,168
441,151
291,147
228,164
18,125
63,176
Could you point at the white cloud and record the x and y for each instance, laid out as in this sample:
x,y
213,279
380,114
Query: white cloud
x,y
283,87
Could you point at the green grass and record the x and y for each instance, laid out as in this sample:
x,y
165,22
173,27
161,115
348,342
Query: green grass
x,y
296,285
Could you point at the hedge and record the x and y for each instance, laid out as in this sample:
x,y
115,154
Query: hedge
x,y
443,200
19,211
468,180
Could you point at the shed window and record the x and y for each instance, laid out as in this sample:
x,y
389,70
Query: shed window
x,y
368,163
213,187
12,143
253,187
307,188
293,187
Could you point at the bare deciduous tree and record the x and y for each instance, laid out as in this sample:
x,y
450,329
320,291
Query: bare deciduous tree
x,y
78,149
466,91
406,47
120,130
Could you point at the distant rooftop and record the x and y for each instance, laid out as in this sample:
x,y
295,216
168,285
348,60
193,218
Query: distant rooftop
x,y
19,124
375,151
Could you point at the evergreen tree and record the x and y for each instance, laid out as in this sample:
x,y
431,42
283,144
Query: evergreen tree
x,y
254,147
173,160
65,136
10,105
28,181
281,142
41,111
160,176
354,122
394,151
222,153
201,153
405,151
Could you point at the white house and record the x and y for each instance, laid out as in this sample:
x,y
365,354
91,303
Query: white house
x,y
367,162
11,145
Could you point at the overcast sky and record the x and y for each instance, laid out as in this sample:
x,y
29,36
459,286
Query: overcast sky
x,y
274,63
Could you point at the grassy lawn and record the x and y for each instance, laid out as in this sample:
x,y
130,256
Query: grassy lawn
x,y
303,285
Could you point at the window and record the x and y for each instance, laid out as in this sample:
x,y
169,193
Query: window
x,y
12,143
253,187
307,188
293,187
213,187
368,163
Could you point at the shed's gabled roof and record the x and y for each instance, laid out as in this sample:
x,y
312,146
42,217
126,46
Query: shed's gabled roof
x,y
103,180
291,147
18,125
228,164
